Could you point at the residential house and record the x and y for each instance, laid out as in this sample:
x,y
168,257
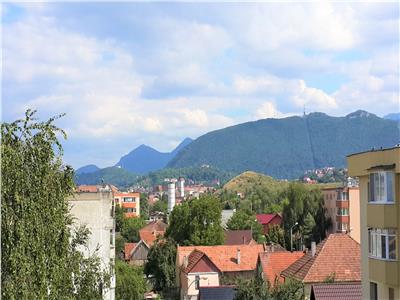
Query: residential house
x,y
93,207
199,266
270,264
129,201
136,253
343,207
239,237
267,220
216,293
336,291
335,258
152,231
379,180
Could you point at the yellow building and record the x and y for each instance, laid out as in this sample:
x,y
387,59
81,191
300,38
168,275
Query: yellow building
x,y
379,181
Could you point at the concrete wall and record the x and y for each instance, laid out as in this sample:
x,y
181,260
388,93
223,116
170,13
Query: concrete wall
x,y
189,287
94,210
354,211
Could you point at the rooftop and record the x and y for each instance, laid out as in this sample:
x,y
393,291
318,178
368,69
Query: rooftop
x,y
266,218
338,255
336,291
238,237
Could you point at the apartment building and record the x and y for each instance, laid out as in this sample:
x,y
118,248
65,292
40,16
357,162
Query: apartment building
x,y
343,207
129,201
93,207
379,179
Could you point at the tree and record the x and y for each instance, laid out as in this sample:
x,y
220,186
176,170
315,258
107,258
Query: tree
x,y
197,222
119,217
161,205
131,227
119,245
40,255
130,283
160,266
289,290
276,235
241,220
252,289
144,206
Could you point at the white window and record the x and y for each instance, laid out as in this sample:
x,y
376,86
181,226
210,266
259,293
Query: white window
x,y
381,188
342,196
342,226
382,243
342,211
130,210
129,199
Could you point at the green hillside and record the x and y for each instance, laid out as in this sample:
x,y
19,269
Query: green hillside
x,y
285,148
114,175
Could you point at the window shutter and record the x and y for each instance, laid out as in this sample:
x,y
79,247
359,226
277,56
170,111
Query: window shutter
x,y
371,187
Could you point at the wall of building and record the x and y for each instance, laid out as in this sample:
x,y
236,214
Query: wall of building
x,y
354,209
188,283
330,196
95,211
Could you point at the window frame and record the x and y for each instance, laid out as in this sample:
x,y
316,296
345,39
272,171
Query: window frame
x,y
378,240
378,187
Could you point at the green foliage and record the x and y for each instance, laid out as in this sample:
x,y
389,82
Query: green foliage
x,y
119,217
285,148
39,247
276,235
130,282
305,205
330,278
289,290
160,266
144,206
131,227
197,222
119,244
113,175
242,220
160,205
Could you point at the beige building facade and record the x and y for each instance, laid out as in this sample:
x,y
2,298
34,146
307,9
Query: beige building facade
x,y
379,180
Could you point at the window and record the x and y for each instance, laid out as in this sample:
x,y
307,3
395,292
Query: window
x,y
129,199
342,196
130,210
342,211
342,226
373,291
197,282
381,187
382,243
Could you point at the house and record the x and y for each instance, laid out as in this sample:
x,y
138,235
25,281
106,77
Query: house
x,y
271,264
199,266
267,220
216,293
226,214
129,201
379,181
343,207
239,237
157,216
335,258
336,291
152,231
136,253
93,206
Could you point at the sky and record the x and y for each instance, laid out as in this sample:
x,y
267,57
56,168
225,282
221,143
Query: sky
x,y
128,74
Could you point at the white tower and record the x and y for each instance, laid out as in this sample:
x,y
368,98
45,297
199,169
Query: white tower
x,y
182,187
171,194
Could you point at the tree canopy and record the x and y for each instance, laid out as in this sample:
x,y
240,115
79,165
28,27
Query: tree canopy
x,y
130,283
39,249
242,220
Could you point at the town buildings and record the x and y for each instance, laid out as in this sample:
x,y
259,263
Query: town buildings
x,y
239,237
379,180
343,207
336,258
93,207
267,220
130,201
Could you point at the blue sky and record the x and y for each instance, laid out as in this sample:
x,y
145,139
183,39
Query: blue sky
x,y
154,73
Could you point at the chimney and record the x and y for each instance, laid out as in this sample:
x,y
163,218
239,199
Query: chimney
x,y
238,256
313,248
185,261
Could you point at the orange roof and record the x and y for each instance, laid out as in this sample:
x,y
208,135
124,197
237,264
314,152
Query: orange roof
x,y
225,256
128,249
149,237
158,226
273,263
125,194
87,189
337,255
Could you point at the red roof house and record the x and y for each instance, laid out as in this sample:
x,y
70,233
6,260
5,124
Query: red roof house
x,y
267,220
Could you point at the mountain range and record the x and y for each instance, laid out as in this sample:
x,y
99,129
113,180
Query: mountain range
x,y
285,148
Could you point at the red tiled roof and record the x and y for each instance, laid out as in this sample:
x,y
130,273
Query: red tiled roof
x,y
158,226
265,218
128,249
273,263
238,237
150,232
337,291
87,189
225,256
338,255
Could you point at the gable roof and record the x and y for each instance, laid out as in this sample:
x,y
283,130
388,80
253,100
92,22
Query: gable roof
x,y
216,293
336,291
149,237
158,226
338,255
131,247
225,256
266,218
238,237
273,263
194,258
